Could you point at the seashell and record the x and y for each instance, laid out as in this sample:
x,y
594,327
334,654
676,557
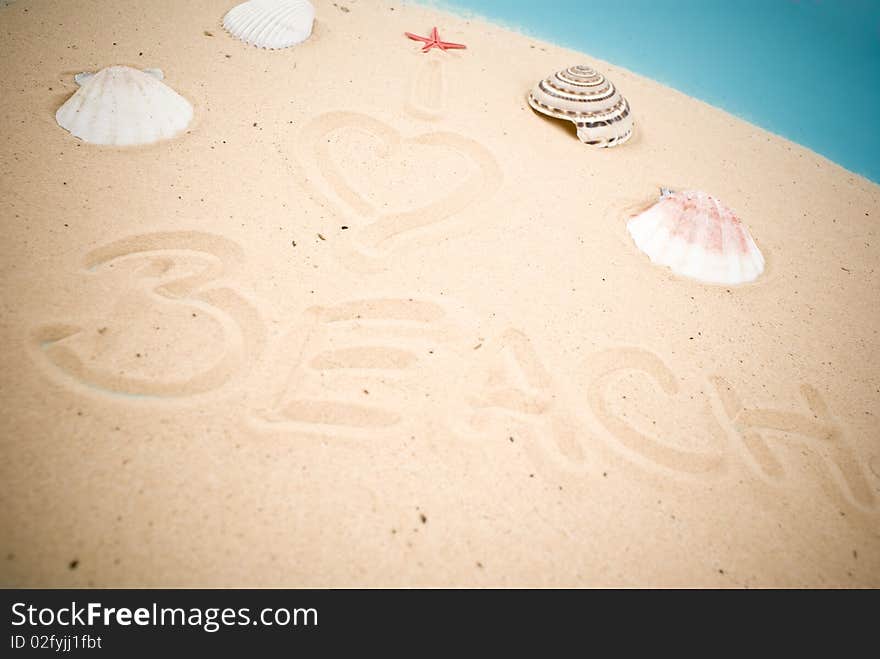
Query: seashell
x,y
589,100
271,23
122,106
697,236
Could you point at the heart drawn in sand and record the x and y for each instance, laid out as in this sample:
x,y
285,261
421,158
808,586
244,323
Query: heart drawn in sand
x,y
391,184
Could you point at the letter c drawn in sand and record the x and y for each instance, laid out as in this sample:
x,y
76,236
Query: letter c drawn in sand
x,y
603,368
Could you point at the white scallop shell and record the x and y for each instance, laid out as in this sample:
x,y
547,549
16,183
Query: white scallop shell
x,y
697,236
271,23
122,106
589,100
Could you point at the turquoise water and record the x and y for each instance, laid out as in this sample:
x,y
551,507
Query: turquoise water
x,y
808,70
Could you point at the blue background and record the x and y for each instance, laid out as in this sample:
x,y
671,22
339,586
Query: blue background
x,y
805,69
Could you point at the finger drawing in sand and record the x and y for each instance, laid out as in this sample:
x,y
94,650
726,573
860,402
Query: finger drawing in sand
x,y
432,180
170,324
359,369
764,432
699,451
513,384
427,96
359,293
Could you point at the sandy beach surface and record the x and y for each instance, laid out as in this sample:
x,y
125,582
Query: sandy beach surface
x,y
373,322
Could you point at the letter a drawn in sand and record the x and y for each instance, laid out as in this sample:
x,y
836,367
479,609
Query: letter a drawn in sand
x,y
515,386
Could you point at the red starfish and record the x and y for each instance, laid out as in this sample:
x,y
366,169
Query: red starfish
x,y
434,40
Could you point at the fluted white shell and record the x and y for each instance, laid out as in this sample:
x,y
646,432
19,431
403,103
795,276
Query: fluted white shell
x,y
122,106
697,236
589,100
271,23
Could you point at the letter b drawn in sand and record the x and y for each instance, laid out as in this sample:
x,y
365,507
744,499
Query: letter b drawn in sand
x,y
168,326
353,370
815,430
394,190
631,429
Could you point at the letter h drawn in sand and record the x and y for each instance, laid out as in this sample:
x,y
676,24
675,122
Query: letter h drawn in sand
x,y
816,431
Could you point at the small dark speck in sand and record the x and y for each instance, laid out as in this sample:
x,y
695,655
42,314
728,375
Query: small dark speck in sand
x,y
845,269
344,228
479,565
605,474
321,237
101,330
208,34
511,439
255,124
293,242
423,518
73,564
720,571
855,554
10,557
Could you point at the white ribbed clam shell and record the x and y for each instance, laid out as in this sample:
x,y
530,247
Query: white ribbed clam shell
x,y
122,106
697,236
589,100
271,23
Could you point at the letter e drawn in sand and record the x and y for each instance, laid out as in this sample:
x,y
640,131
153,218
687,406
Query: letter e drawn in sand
x,y
395,191
817,431
166,308
630,431
352,370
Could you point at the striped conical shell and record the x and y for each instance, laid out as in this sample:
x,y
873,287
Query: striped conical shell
x,y
121,106
696,235
589,100
271,23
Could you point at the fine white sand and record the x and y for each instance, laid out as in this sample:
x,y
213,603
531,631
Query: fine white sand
x,y
372,321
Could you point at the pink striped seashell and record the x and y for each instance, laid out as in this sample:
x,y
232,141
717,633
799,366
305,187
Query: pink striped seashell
x,y
697,236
